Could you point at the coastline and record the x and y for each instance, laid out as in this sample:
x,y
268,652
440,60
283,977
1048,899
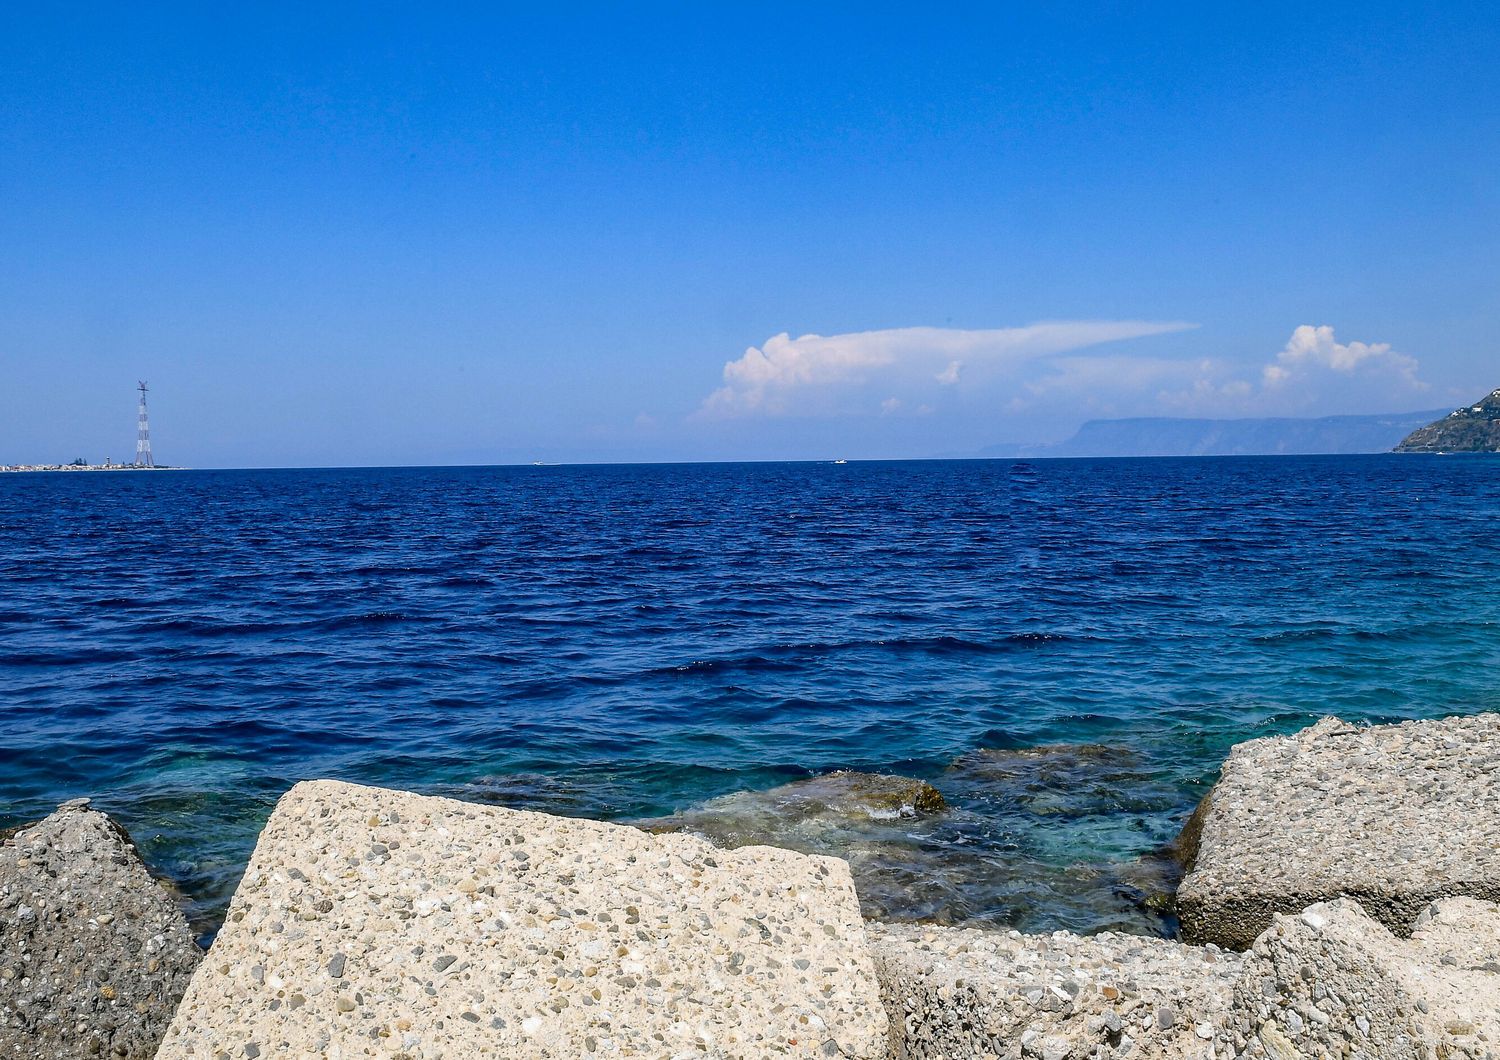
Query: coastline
x,y
20,468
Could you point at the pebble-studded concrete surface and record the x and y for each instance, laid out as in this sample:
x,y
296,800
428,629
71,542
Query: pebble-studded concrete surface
x,y
1394,816
1330,981
381,923
93,952
955,992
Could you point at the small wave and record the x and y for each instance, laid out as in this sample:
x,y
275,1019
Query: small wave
x,y
1420,632
387,568
369,620
81,657
1043,638
788,658
201,627
123,603
500,659
744,664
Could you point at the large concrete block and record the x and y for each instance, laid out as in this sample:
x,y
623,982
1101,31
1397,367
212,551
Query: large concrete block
x,y
1330,981
94,953
962,993
1393,816
381,923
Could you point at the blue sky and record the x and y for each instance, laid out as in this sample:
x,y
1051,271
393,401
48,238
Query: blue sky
x,y
364,235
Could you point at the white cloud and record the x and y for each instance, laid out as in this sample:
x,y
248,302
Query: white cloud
x,y
1312,349
767,379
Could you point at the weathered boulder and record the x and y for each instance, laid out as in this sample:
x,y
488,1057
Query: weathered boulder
x,y
958,992
1331,981
1394,816
94,953
382,923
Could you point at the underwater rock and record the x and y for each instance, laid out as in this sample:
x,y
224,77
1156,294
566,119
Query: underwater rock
x,y
1071,789
94,953
805,809
986,857
531,791
1063,780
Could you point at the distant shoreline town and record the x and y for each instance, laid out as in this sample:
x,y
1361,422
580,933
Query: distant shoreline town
x,y
86,467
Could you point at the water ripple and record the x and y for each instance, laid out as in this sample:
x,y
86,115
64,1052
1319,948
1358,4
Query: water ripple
x,y
633,641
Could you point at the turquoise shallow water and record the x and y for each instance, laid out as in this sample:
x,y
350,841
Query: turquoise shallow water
x,y
625,642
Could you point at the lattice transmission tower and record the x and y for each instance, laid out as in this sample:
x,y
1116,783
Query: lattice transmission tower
x,y
143,433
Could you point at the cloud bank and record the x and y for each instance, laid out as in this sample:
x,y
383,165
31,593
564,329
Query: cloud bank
x,y
1044,379
1312,348
773,378
1312,373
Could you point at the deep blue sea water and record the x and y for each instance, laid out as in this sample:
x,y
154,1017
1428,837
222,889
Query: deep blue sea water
x,y
626,641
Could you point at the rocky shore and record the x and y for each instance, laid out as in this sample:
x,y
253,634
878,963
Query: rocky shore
x,y
1339,900
1467,429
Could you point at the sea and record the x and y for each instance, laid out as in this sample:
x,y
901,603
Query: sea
x,y
1064,649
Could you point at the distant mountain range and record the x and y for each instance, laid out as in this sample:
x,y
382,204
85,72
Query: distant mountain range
x,y
1470,429
1165,436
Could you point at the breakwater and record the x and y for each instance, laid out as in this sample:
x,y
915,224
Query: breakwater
x,y
373,922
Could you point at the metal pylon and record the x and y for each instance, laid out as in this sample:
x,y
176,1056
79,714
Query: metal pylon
x,y
143,433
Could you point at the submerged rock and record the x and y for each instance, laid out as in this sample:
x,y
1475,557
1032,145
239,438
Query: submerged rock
x,y
1063,780
531,791
1063,791
1394,816
805,809
1331,981
94,953
953,992
374,922
990,849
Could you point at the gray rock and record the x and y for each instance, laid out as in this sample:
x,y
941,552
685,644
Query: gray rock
x,y
94,953
483,931
1331,981
1394,816
956,992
